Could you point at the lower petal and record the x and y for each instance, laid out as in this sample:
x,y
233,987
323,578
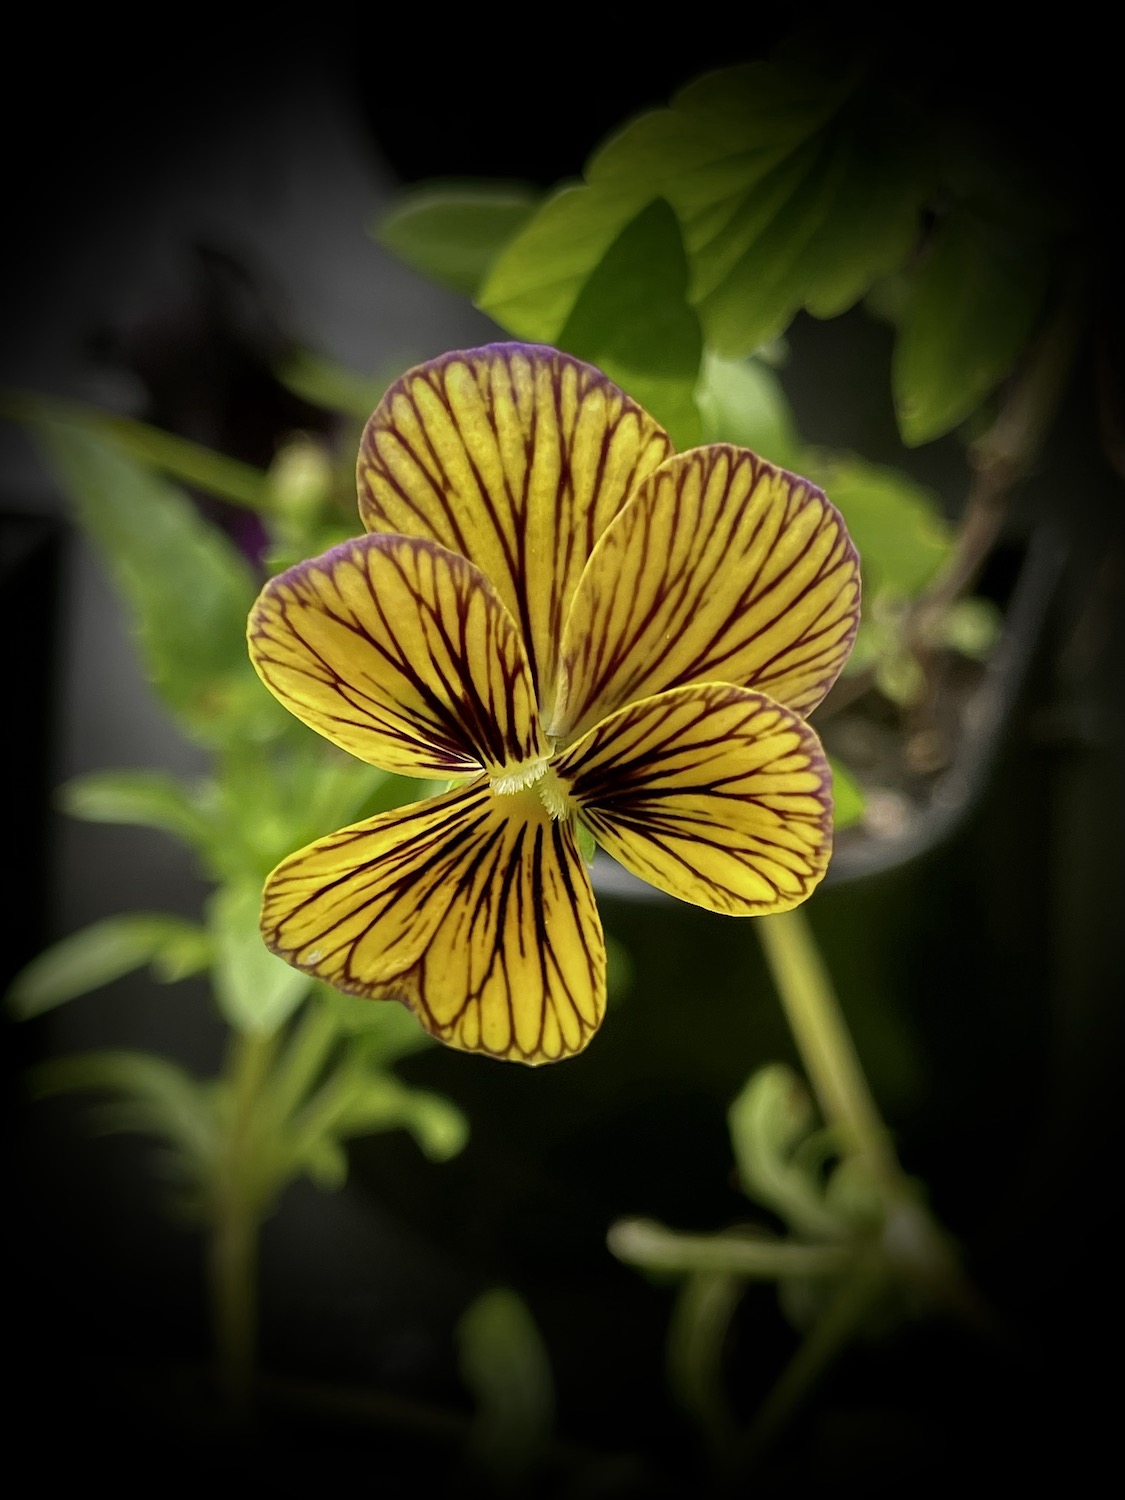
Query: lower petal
x,y
473,909
715,794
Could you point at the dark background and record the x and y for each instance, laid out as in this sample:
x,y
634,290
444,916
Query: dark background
x,y
177,200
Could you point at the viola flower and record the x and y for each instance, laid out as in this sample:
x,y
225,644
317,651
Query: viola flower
x,y
577,625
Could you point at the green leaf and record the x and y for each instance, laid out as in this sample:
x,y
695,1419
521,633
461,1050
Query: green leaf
x,y
847,796
741,401
255,990
150,799
191,463
769,1120
379,1101
791,188
388,1030
105,951
165,1100
187,587
972,627
972,310
333,387
632,320
505,1365
697,1333
896,523
453,232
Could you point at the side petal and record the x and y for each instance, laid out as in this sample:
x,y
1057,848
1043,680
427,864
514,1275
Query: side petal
x,y
721,568
473,909
715,794
517,457
401,653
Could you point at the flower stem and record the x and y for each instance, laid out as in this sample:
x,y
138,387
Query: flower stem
x,y
237,1216
825,1045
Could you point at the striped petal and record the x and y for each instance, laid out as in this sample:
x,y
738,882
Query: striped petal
x,y
715,794
517,457
473,909
721,568
401,653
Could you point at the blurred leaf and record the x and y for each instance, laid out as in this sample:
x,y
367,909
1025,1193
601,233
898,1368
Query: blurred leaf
x,y
255,990
505,1365
105,951
791,189
191,463
150,799
324,383
307,788
453,232
165,1100
972,310
389,1030
741,401
972,627
899,677
380,1101
768,1120
326,1163
847,796
696,1335
633,321
896,523
188,589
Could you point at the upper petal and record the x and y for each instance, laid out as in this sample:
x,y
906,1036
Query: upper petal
x,y
517,457
721,568
715,794
473,909
401,653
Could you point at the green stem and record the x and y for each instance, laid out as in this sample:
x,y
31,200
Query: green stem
x,y
236,1224
825,1045
303,1059
827,1338
642,1242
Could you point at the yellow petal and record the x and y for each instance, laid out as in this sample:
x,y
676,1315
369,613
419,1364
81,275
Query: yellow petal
x,y
517,457
720,569
473,909
715,794
401,653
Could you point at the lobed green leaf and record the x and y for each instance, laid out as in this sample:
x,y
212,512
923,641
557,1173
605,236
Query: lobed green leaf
x,y
632,319
792,189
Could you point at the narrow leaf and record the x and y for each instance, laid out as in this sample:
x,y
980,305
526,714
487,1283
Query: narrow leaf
x,y
191,463
187,587
167,1101
105,951
150,799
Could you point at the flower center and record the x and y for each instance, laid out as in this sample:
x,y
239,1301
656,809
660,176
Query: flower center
x,y
553,790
